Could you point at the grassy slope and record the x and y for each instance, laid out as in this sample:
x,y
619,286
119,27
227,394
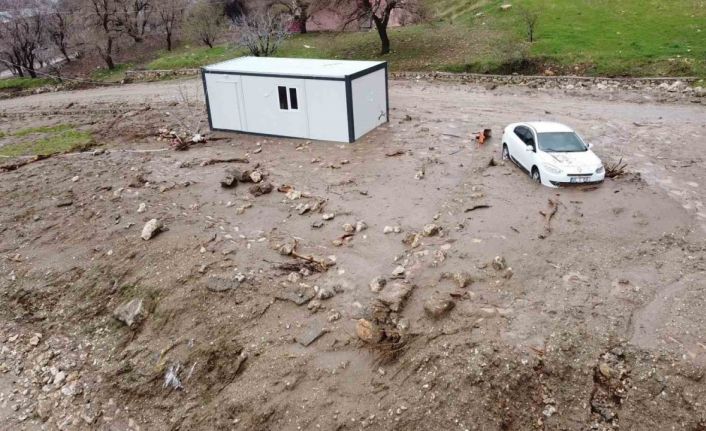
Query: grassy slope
x,y
595,37
45,141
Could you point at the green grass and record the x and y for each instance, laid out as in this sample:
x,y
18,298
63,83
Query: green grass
x,y
193,57
56,139
42,129
24,83
104,74
590,37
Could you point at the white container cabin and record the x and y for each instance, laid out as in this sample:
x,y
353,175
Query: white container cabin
x,y
329,100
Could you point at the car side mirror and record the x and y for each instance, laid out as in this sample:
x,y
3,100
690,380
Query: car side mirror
x,y
529,148
590,146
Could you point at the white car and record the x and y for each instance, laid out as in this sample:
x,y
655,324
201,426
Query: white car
x,y
552,153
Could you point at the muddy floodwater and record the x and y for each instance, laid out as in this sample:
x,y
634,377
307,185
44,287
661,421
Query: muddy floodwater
x,y
411,280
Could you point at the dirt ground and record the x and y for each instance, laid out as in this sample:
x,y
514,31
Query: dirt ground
x,y
596,323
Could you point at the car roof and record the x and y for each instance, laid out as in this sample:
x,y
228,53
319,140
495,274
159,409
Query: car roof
x,y
548,127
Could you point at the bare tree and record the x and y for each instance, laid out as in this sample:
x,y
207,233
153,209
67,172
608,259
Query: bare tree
x,y
133,16
22,36
204,21
301,11
170,14
60,25
379,11
106,28
262,32
530,17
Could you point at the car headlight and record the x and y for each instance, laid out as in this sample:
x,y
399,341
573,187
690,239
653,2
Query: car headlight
x,y
600,170
552,169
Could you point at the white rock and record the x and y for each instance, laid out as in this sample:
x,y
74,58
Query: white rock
x,y
142,208
151,228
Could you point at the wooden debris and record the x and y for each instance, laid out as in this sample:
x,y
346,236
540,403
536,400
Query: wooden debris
x,y
548,215
476,207
614,170
209,162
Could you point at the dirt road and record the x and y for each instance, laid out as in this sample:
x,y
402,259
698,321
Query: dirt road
x,y
594,323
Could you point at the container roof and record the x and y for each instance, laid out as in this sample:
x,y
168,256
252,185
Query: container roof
x,y
300,67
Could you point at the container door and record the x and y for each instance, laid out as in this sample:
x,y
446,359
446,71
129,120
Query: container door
x,y
276,106
224,100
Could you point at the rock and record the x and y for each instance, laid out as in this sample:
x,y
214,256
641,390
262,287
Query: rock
x,y
394,295
297,298
310,335
333,316
463,279
360,226
325,292
505,7
256,176
151,228
59,378
328,216
412,240
223,284
262,188
44,409
605,369
499,263
398,272
229,180
377,284
437,307
131,312
317,224
142,208
368,331
294,195
75,179
348,228
388,229
72,389
287,249
36,338
238,175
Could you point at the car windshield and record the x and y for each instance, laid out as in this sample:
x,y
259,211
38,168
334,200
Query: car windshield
x,y
561,142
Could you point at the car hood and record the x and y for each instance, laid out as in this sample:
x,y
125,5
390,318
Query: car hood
x,y
586,161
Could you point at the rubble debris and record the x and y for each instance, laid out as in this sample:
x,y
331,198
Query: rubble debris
x,y
420,174
260,189
431,230
548,215
171,378
209,162
368,331
360,226
151,228
256,176
142,208
438,307
229,180
328,216
218,284
476,207
615,170
348,228
412,240
398,272
130,313
377,284
395,153
463,279
492,163
499,263
311,334
297,298
318,264
394,294
391,229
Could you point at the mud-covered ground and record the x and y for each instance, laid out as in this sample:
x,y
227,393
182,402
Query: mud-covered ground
x,y
595,323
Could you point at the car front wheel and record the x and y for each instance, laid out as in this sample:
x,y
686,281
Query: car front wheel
x,y
535,175
506,152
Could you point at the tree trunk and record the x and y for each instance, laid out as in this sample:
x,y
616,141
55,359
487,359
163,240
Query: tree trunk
x,y
109,54
65,54
302,24
381,26
169,41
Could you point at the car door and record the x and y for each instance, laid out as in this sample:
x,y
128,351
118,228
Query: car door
x,y
523,137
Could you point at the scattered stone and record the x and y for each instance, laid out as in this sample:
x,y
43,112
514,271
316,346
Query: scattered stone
x,y
325,292
348,228
44,409
463,279
437,307
222,284
328,216
36,338
368,331
505,7
394,295
333,316
297,298
311,334
294,195
72,389
262,188
287,248
142,208
412,240
229,180
131,312
256,176
398,272
377,284
317,224
360,226
499,263
151,228
75,179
